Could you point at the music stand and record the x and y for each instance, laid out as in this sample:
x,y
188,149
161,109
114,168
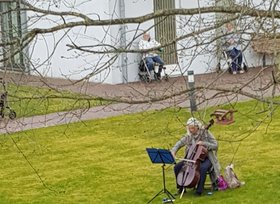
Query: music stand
x,y
161,156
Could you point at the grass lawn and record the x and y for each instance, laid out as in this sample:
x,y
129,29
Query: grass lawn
x,y
29,101
104,161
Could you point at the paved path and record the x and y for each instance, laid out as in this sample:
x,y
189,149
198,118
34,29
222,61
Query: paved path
x,y
138,95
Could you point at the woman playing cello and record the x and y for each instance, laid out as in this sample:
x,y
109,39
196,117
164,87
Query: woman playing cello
x,y
198,135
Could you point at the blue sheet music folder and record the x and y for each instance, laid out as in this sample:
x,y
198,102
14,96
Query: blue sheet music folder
x,y
160,156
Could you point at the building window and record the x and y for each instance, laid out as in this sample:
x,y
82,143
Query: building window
x,y
12,28
165,30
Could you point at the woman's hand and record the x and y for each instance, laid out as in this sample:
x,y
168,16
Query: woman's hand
x,y
231,41
199,143
174,155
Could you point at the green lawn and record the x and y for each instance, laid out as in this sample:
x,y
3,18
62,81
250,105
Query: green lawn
x,y
29,101
104,161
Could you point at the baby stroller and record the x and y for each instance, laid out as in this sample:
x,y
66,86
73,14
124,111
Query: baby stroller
x,y
4,107
146,75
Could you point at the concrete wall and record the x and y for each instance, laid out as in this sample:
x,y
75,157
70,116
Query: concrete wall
x,y
132,35
75,65
52,57
191,57
1,48
187,61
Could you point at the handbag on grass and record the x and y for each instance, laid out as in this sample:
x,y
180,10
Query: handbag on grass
x,y
222,184
231,178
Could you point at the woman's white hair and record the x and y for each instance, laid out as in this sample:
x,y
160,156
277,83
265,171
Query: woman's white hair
x,y
193,121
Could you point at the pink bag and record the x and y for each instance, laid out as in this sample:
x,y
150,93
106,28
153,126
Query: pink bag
x,y
222,184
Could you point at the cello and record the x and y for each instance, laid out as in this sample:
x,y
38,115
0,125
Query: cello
x,y
189,174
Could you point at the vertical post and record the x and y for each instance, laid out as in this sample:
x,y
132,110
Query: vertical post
x,y
191,86
123,42
263,60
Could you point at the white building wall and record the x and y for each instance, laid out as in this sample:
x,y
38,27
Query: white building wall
x,y
191,57
252,58
75,65
133,35
1,48
205,59
53,58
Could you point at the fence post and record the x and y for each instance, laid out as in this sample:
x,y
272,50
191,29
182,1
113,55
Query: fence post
x,y
191,86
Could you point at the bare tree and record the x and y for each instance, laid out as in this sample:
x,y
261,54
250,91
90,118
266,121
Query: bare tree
x,y
199,33
96,40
